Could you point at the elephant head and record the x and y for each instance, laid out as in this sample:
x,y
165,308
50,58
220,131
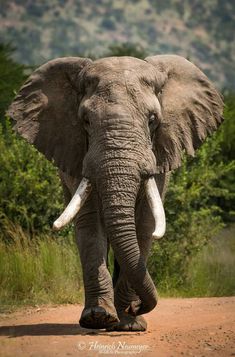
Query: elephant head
x,y
117,122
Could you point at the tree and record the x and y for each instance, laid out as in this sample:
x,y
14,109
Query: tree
x,y
12,75
126,49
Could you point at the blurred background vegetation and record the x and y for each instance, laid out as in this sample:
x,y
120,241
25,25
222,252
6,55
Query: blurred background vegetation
x,y
202,30
196,257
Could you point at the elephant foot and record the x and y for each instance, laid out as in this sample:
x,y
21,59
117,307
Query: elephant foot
x,y
129,323
97,318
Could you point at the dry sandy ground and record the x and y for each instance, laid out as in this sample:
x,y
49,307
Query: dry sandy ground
x,y
177,327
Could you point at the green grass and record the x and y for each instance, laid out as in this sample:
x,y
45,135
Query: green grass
x,y
212,271
47,270
39,271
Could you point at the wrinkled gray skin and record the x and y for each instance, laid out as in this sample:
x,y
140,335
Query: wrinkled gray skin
x,y
101,120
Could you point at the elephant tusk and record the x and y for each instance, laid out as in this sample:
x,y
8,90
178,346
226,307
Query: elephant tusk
x,y
156,206
74,205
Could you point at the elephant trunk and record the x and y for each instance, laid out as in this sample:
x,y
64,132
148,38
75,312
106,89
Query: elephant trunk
x,y
119,192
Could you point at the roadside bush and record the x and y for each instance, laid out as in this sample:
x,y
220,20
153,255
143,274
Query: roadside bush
x,y
30,191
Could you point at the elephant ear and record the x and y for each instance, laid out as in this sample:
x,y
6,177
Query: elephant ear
x,y
46,112
191,109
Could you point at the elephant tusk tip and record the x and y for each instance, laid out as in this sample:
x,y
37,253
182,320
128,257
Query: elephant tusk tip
x,y
157,234
56,226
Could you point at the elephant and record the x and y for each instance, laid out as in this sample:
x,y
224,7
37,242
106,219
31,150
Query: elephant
x,y
115,128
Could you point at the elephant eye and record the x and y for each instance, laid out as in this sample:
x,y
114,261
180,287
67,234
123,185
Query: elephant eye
x,y
153,124
152,118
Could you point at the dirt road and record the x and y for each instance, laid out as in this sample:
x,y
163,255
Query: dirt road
x,y
177,327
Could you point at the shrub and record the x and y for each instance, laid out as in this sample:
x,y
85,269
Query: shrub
x,y
30,191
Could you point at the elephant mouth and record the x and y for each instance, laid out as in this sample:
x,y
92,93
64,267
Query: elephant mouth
x,y
84,190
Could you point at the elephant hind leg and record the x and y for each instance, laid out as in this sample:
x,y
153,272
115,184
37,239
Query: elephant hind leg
x,y
127,304
129,323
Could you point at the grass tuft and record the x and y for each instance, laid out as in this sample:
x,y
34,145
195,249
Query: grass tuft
x,y
211,272
39,270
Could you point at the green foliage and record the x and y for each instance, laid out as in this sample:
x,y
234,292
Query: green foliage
x,y
126,49
30,191
227,155
193,212
211,271
228,143
11,77
38,270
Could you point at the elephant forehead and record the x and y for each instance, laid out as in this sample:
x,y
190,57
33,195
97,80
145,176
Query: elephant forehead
x,y
122,69
123,62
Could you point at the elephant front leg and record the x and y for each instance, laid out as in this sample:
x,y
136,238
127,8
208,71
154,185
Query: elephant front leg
x,y
99,310
127,304
126,301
